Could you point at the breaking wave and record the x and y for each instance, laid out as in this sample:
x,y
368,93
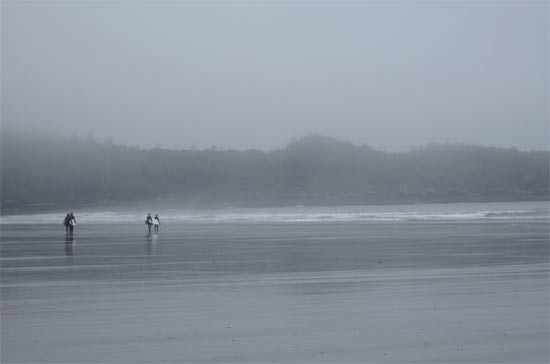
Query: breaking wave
x,y
536,211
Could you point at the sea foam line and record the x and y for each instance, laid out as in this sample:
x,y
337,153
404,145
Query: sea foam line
x,y
299,215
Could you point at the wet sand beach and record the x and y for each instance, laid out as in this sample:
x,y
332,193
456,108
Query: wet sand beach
x,y
399,292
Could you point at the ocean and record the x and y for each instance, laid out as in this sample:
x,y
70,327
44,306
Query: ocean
x,y
437,283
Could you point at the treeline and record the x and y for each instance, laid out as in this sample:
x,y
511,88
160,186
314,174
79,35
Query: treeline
x,y
44,172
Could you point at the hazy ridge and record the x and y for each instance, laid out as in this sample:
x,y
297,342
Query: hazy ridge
x,y
45,172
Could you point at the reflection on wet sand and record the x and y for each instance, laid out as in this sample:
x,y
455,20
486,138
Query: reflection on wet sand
x,y
69,245
399,292
152,239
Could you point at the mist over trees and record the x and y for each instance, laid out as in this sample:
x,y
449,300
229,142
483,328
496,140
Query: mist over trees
x,y
46,172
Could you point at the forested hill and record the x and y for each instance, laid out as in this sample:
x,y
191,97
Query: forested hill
x,y
51,173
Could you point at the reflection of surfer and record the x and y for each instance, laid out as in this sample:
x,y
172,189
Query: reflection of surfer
x,y
69,246
156,222
151,243
149,222
72,223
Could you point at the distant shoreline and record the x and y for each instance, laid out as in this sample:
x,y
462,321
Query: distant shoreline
x,y
155,206
314,170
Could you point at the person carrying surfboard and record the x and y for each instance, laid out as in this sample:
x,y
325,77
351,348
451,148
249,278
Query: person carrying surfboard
x,y
66,222
156,222
72,223
149,222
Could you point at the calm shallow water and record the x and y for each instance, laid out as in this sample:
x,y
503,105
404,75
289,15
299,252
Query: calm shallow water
x,y
443,291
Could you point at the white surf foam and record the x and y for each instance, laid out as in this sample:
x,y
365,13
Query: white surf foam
x,y
300,214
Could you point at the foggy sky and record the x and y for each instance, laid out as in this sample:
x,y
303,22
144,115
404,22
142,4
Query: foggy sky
x,y
255,74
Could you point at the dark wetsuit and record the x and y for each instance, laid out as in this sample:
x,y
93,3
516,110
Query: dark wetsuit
x,y
157,224
149,222
71,227
66,223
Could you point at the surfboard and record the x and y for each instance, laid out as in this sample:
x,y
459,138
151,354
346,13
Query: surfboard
x,y
72,222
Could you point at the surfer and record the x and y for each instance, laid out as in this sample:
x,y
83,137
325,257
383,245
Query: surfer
x,y
156,221
72,223
149,222
66,223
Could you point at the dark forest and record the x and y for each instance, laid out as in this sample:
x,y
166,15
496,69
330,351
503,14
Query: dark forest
x,y
47,172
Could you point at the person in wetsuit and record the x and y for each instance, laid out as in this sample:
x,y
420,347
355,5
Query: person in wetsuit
x,y
66,223
156,221
149,222
72,223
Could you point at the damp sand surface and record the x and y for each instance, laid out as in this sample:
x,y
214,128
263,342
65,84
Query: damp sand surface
x,y
400,292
